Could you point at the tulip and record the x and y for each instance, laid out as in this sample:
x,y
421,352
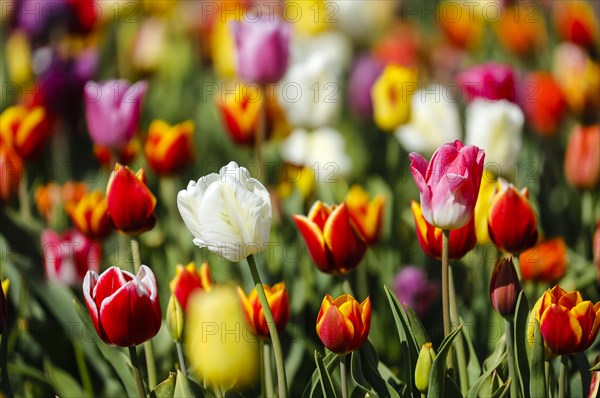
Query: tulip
x,y
130,202
413,288
343,324
430,109
278,302
11,171
229,213
222,46
261,48
124,307
504,287
216,329
497,128
26,129
241,112
294,177
487,190
90,215
576,21
52,197
333,243
391,96
187,280
401,44
367,215
363,75
512,222
18,57
543,102
170,148
107,157
461,25
423,367
461,240
68,257
490,81
113,110
361,21
547,261
313,17
449,184
148,49
36,19
174,319
3,305
567,323
521,29
582,163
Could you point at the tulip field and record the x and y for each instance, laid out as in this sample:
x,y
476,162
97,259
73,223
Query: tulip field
x,y
300,198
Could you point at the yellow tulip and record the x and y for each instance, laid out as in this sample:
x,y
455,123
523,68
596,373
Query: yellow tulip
x,y
391,95
482,208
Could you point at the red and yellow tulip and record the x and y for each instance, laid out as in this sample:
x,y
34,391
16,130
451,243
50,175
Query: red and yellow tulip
x,y
366,214
11,170
169,148
343,324
187,280
26,129
90,215
279,302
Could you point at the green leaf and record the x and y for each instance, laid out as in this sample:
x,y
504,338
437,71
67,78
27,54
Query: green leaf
x,y
487,375
537,386
313,389
451,390
437,376
370,362
520,343
324,377
595,368
358,385
473,366
166,389
418,331
62,382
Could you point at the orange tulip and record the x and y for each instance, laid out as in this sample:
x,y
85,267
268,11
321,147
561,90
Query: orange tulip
x,y
567,323
11,170
333,243
576,21
521,29
461,240
187,280
169,148
367,215
90,215
343,324
543,102
582,162
512,222
547,261
124,155
241,112
279,302
462,26
504,287
26,129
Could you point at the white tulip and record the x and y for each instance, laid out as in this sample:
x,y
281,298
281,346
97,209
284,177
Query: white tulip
x,y
434,121
229,213
497,128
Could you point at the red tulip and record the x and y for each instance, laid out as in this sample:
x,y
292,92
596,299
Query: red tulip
x,y
124,307
490,81
576,21
279,302
343,324
169,149
582,162
26,129
504,287
547,261
11,170
543,102
187,280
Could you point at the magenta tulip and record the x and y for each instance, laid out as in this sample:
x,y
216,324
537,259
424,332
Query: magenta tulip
x,y
449,184
113,110
262,47
124,307
490,81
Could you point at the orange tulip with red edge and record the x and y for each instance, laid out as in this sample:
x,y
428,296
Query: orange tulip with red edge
x,y
367,215
567,323
11,170
240,111
582,163
521,30
279,302
187,280
333,243
512,222
576,21
169,148
130,202
461,240
543,103
90,215
343,324
547,261
463,27
25,128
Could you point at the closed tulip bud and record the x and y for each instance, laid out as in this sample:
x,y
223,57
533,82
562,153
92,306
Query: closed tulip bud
x,y
545,262
124,307
169,149
174,319
26,129
279,302
333,243
520,31
567,323
90,215
130,202
504,287
11,170
482,208
512,222
449,183
343,324
423,367
366,214
545,106
391,95
187,280
461,240
241,112
576,21
582,163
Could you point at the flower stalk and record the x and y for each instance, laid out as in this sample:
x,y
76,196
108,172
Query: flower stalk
x,y
510,358
458,344
343,375
268,372
181,358
137,375
562,378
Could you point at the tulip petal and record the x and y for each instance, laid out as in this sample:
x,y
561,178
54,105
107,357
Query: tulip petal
x,y
89,284
561,330
346,247
586,316
315,242
335,330
109,281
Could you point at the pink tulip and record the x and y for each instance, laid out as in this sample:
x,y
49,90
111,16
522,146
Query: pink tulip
x,y
262,48
449,184
490,81
113,110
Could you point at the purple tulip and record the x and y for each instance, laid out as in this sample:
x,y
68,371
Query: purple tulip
x,y
113,110
414,289
449,184
365,72
490,81
35,16
262,48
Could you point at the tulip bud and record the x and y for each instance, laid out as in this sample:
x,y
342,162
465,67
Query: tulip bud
x,y
582,163
367,215
465,29
279,302
26,129
504,287
11,169
576,21
518,34
546,262
423,367
175,321
241,112
391,95
545,106
90,215
169,148
187,280
343,324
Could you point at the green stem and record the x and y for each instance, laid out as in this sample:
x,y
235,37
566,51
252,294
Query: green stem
x,y
83,369
182,366
267,369
343,375
458,343
562,378
281,382
4,362
217,391
24,203
137,375
261,131
445,283
347,286
510,351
